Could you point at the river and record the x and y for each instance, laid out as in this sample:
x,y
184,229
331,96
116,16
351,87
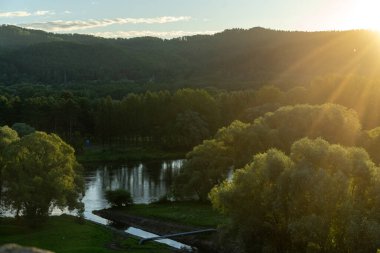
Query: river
x,y
146,181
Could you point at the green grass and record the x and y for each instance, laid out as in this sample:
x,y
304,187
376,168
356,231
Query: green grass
x,y
186,213
64,234
120,154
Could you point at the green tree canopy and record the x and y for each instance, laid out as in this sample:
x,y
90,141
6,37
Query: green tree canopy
x,y
197,101
23,129
189,129
207,165
282,127
7,136
321,198
371,142
40,173
278,129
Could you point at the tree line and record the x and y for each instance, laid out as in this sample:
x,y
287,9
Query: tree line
x,y
168,119
173,119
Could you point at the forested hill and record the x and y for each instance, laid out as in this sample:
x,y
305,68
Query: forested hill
x,y
231,59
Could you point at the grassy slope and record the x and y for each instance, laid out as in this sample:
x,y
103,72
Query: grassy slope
x,y
187,213
64,234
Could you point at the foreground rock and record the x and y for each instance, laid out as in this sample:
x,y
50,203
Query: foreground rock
x,y
14,248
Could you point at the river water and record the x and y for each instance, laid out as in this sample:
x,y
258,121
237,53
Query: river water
x,y
146,181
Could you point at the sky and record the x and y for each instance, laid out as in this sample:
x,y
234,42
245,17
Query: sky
x,y
175,18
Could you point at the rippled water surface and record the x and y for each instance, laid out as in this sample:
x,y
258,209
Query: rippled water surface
x,y
146,181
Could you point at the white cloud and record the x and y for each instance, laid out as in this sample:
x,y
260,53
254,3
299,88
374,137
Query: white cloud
x,y
61,26
67,12
13,14
164,34
44,13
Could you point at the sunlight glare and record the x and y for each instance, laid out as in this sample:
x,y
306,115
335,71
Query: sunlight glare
x,y
364,14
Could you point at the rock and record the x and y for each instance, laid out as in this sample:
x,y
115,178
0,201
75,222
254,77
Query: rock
x,y
14,248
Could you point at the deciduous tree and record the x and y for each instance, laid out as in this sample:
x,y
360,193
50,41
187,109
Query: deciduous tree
x,y
7,136
321,198
41,173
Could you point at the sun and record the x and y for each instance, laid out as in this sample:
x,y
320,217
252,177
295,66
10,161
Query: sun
x,y
363,14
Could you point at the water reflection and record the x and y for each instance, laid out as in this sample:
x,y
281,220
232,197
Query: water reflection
x,y
146,182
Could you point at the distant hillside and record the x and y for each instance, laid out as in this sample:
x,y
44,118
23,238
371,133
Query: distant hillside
x,y
232,59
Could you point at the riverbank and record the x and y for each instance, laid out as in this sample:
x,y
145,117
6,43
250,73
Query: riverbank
x,y
65,234
169,218
121,154
189,213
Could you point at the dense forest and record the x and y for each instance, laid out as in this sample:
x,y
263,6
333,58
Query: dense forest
x,y
232,59
171,119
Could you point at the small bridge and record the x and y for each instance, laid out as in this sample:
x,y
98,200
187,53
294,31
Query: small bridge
x,y
212,230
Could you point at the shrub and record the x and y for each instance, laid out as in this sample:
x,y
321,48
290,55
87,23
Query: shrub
x,y
119,197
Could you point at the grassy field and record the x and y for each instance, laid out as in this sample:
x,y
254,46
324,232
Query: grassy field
x,y
187,213
64,234
120,154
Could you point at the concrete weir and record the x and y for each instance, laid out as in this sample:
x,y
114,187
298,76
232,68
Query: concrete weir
x,y
142,241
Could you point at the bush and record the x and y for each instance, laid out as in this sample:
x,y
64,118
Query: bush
x,y
119,197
